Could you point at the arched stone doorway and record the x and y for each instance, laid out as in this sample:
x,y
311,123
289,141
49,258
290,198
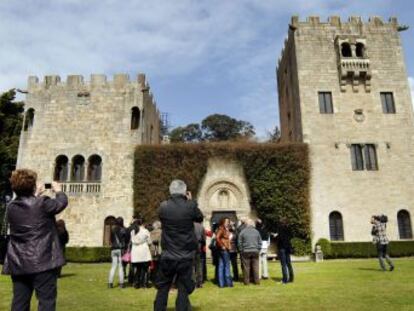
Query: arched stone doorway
x,y
108,225
224,192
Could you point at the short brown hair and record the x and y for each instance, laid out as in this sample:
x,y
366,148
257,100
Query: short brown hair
x,y
23,182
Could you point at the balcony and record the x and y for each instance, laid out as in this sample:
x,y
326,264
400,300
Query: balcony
x,y
77,188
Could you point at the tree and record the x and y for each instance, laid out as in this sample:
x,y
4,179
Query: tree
x,y
274,136
218,127
190,133
11,117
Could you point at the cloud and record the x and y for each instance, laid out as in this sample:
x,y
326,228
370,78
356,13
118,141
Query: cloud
x,y
197,50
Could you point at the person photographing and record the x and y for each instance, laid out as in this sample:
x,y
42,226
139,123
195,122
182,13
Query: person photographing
x,y
34,252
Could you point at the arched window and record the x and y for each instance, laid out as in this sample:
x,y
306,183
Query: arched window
x,y
135,118
151,134
346,50
404,225
108,226
360,49
94,168
336,228
28,123
61,168
78,168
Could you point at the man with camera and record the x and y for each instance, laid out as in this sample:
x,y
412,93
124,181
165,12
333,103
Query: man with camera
x,y
179,245
380,239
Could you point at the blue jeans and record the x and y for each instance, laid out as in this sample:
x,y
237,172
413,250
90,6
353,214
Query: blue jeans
x,y
287,269
224,275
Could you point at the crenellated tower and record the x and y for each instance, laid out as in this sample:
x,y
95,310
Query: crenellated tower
x,y
343,89
83,134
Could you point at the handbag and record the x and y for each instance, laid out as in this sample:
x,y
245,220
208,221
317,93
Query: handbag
x,y
4,239
127,256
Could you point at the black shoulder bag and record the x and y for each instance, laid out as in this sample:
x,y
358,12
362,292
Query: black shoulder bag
x,y
4,238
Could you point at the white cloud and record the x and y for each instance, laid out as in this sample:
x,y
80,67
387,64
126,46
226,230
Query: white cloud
x,y
224,44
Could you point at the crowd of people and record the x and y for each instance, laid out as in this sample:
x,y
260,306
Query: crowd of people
x,y
170,252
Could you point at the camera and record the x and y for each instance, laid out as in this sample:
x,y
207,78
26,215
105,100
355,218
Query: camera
x,y
48,186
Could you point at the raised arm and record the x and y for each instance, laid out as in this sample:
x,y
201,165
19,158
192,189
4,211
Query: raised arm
x,y
57,205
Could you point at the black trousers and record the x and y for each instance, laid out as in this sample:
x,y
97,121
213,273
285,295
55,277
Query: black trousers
x,y
234,266
45,286
287,269
168,270
141,274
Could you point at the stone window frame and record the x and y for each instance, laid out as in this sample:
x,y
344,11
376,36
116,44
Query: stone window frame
x,y
74,178
57,175
29,119
364,157
135,118
404,225
336,226
388,102
325,106
98,176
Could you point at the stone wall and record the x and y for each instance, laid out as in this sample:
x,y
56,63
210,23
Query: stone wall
x,y
357,118
86,118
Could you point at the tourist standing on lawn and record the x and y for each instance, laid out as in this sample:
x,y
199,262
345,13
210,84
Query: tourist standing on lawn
x,y
263,269
379,232
34,253
118,239
233,252
140,254
223,245
63,239
198,260
250,243
155,248
284,250
179,244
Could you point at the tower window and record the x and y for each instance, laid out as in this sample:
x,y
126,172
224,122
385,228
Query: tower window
x,y
78,168
336,227
28,124
404,225
361,154
94,168
387,101
360,50
325,102
135,118
61,168
346,50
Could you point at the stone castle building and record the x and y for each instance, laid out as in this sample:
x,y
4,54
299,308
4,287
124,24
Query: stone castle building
x,y
83,134
343,89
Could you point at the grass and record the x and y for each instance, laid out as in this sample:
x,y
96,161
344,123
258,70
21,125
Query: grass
x,y
331,285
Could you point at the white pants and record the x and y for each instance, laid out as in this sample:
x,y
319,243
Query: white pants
x,y
263,269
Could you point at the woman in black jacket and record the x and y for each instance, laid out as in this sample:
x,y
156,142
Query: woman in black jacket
x,y
34,252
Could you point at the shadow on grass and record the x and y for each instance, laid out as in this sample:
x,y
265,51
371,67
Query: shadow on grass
x,y
370,269
67,275
276,279
192,308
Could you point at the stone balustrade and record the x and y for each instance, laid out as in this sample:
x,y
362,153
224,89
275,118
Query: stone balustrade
x,y
73,188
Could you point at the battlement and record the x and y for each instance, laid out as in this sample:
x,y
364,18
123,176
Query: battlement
x,y
77,82
374,21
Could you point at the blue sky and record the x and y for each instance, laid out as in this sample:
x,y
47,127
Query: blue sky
x,y
200,57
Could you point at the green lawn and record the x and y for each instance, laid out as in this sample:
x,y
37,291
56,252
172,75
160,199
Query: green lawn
x,y
331,285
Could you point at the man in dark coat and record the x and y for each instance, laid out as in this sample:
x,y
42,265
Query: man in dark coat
x,y
284,250
34,252
179,245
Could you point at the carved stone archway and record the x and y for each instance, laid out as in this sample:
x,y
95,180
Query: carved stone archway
x,y
224,189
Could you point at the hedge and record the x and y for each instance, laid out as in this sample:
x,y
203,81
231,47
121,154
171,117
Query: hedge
x,y
88,254
277,176
367,249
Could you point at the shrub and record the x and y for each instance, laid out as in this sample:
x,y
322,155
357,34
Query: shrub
x,y
277,176
325,247
301,247
88,254
368,249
